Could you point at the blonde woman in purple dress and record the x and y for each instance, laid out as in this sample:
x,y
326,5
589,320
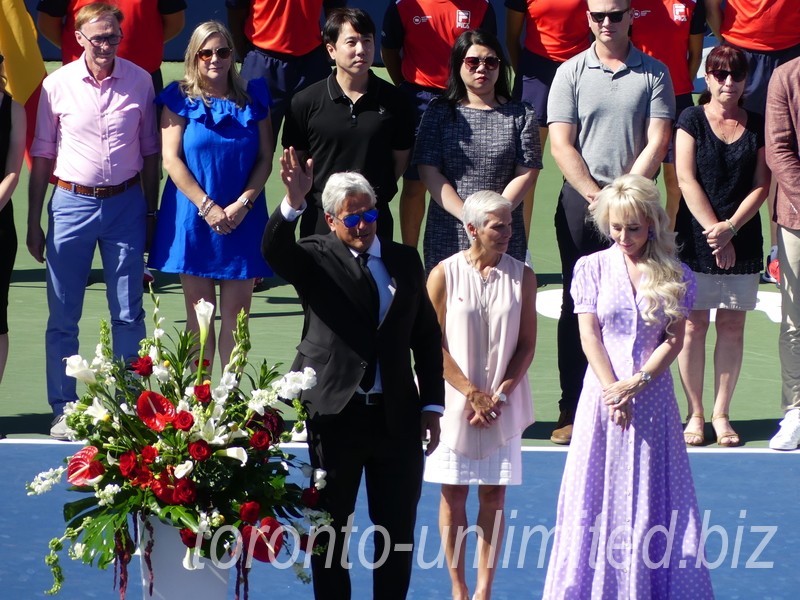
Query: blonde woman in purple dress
x,y
627,481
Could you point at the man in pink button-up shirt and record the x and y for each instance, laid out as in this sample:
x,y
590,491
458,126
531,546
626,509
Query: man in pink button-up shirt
x,y
96,124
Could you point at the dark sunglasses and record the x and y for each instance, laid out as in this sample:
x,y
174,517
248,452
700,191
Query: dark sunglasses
x,y
369,216
206,54
721,75
97,42
2,58
613,16
473,62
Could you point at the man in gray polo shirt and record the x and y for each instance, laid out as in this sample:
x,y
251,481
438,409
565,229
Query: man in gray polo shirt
x,y
610,112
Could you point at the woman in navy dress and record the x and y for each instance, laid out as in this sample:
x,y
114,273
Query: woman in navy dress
x,y
217,148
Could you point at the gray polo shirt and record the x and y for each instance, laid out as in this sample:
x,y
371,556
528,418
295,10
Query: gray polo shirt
x,y
610,108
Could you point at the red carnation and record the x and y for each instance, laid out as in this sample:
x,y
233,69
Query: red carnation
x,y
199,450
185,491
203,393
249,512
149,454
260,440
183,420
143,366
188,537
154,410
257,541
127,463
310,496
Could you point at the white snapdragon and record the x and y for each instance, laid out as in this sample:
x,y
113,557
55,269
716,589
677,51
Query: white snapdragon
x,y
45,481
307,469
107,494
153,354
316,518
261,399
229,380
76,551
319,478
203,525
158,333
161,372
183,405
291,384
69,408
220,394
127,409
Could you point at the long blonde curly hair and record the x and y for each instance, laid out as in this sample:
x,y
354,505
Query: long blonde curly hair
x,y
663,284
192,83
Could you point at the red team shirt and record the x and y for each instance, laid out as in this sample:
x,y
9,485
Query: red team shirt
x,y
426,30
661,28
762,25
554,29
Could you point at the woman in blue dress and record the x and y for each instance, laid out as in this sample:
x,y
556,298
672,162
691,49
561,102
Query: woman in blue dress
x,y
217,149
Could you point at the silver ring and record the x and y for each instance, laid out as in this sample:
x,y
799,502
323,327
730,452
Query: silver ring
x,y
616,399
217,228
493,414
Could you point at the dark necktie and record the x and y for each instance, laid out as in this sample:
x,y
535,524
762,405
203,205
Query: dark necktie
x,y
368,380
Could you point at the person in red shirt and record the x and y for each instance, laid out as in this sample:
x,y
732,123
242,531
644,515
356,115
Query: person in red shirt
x,y
672,31
555,31
768,31
149,24
416,42
281,41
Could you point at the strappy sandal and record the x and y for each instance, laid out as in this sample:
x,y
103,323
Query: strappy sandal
x,y
725,438
691,437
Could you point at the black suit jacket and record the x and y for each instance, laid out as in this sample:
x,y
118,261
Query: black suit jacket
x,y
341,330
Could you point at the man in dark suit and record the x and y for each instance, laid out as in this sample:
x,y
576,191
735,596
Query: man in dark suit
x,y
366,310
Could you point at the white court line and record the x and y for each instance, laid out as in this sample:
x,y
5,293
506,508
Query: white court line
x,y
296,445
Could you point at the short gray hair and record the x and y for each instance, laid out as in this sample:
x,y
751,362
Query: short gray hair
x,y
343,185
478,206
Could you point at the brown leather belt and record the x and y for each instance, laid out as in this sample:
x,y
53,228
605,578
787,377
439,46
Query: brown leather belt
x,y
98,192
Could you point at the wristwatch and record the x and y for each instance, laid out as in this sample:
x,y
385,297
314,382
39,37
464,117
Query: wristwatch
x,y
502,397
646,378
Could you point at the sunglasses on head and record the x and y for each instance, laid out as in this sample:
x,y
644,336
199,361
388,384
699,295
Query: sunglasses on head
x,y
206,53
490,62
721,75
369,216
614,16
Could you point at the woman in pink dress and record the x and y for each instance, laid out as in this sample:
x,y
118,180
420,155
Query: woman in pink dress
x,y
486,304
628,525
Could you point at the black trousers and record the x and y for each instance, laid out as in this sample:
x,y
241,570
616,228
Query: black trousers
x,y
576,236
345,445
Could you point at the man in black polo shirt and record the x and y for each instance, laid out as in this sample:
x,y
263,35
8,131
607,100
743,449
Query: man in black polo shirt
x,y
352,121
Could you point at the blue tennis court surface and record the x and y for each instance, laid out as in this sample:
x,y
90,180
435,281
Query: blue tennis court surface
x,y
753,547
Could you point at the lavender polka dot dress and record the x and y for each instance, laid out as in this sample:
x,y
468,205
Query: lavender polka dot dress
x,y
628,526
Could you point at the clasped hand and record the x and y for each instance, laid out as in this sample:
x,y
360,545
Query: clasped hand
x,y
617,398
718,237
486,409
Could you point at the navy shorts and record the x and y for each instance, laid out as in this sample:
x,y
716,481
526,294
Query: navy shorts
x,y
682,102
760,66
419,97
534,77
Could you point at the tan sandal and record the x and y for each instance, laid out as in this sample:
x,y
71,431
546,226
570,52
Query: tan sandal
x,y
691,437
729,435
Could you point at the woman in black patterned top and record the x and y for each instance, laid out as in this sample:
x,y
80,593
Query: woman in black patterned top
x,y
473,138
724,180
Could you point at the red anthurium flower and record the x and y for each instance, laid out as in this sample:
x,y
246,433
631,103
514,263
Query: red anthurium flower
x,y
164,486
82,467
188,537
154,410
249,512
127,463
310,496
260,440
202,392
199,450
143,366
149,454
257,541
183,420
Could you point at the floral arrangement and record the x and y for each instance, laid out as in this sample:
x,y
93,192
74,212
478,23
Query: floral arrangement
x,y
163,442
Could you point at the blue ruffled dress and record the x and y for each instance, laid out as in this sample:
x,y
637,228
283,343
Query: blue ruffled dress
x,y
220,145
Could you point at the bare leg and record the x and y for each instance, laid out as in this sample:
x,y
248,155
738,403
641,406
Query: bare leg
x,y
194,289
727,365
673,193
691,365
3,353
234,295
452,521
491,528
412,210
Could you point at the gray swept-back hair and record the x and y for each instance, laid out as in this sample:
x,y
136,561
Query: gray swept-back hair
x,y
478,206
341,185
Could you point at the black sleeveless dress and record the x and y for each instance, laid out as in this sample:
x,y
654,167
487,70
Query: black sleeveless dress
x,y
8,233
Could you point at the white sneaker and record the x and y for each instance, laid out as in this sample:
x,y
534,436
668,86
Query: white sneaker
x,y
59,429
788,437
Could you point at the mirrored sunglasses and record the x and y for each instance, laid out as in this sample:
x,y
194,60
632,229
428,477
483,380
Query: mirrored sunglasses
x,y
206,53
721,75
490,62
369,216
614,16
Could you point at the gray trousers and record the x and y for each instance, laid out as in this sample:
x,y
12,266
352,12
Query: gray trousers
x,y
789,340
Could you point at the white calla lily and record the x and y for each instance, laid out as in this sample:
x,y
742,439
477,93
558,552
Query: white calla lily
x,y
204,312
78,368
237,452
183,469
